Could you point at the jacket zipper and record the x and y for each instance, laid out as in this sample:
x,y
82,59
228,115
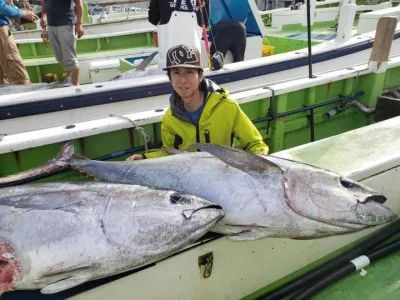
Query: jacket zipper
x,y
197,134
207,136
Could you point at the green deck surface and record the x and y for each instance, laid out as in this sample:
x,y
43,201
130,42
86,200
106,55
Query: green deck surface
x,y
382,282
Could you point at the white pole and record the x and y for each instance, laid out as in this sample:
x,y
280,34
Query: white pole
x,y
345,24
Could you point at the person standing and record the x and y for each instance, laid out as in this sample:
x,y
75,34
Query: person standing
x,y
12,69
200,111
228,35
58,18
178,22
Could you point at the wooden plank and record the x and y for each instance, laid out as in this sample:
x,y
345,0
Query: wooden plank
x,y
383,39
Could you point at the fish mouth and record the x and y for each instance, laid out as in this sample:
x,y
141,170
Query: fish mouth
x,y
188,213
376,198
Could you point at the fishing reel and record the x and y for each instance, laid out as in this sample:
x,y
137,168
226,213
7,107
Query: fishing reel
x,y
217,61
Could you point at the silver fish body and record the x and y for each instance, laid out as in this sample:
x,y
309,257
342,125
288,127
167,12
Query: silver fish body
x,y
58,235
261,196
6,89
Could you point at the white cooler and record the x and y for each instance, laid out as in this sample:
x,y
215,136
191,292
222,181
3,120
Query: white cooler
x,y
100,71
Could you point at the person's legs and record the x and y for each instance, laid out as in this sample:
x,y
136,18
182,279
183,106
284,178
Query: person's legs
x,y
68,46
220,44
55,42
12,69
75,77
238,43
218,40
3,79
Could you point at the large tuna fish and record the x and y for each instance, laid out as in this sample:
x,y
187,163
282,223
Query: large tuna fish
x,y
262,196
7,89
58,235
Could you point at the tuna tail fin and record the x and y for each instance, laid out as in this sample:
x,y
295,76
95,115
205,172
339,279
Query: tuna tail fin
x,y
57,165
143,65
249,163
66,152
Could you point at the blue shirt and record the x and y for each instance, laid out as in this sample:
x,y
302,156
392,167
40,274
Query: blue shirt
x,y
8,11
195,115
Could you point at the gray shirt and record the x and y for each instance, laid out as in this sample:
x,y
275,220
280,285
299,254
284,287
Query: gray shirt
x,y
60,12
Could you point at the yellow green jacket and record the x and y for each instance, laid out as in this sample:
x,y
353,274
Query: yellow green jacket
x,y
221,120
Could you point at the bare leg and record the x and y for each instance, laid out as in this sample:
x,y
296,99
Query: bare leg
x,y
75,77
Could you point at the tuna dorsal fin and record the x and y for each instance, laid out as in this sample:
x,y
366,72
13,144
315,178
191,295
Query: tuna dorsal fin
x,y
143,65
247,162
64,284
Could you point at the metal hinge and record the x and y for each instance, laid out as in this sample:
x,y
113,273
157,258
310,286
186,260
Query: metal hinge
x,y
206,263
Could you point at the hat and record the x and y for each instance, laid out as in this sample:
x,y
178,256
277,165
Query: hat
x,y
183,56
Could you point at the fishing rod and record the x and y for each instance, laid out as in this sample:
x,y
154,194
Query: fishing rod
x,y
310,107
205,37
271,116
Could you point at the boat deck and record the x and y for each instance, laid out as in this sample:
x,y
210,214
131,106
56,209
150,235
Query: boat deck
x,y
381,282
368,154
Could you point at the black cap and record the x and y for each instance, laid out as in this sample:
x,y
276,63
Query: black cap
x,y
184,56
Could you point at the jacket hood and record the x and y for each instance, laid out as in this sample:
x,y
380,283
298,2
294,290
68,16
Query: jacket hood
x,y
206,86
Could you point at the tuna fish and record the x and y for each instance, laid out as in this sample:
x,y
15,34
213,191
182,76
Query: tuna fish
x,y
140,70
6,89
262,196
56,236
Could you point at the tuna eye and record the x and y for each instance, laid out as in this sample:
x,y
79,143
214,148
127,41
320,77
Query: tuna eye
x,y
346,182
175,198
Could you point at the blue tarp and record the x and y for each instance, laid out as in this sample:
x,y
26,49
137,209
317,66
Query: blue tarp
x,y
315,36
236,10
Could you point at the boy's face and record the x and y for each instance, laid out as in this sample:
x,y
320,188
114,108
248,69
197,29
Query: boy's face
x,y
186,81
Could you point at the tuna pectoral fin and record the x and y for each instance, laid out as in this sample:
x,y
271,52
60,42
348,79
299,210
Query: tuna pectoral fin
x,y
242,233
64,284
239,159
248,235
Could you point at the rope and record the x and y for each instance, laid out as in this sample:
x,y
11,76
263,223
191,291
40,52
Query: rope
x,y
140,130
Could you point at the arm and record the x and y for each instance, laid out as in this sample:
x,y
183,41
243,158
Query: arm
x,y
154,13
248,135
9,11
79,12
168,139
43,18
168,142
